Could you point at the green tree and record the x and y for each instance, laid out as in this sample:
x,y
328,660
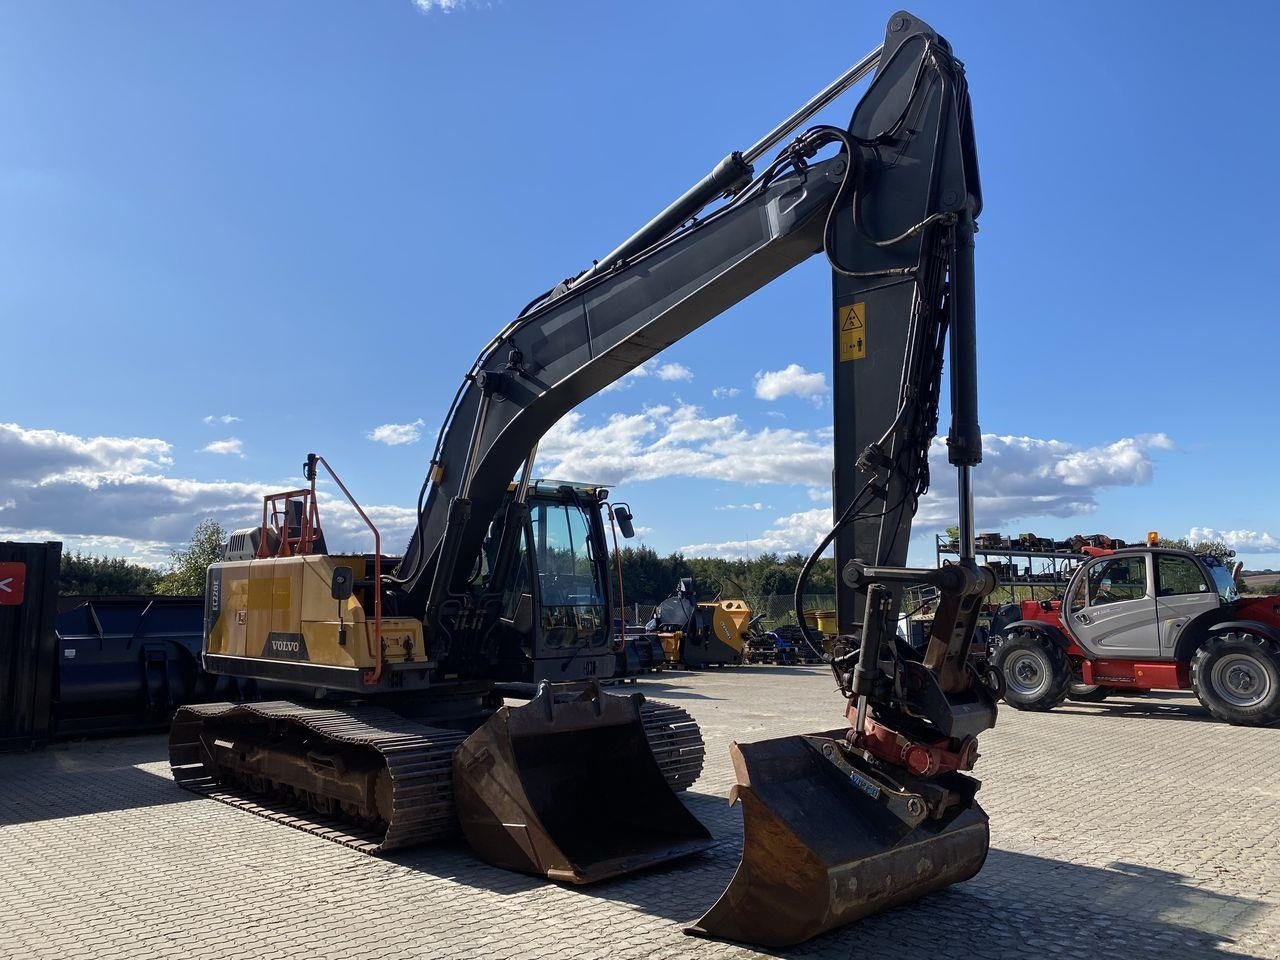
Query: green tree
x,y
187,565
104,576
1214,548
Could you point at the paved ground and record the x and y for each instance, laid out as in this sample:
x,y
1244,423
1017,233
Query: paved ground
x,y
1134,829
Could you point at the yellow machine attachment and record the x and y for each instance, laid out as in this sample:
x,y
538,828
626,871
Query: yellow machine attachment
x,y
729,621
697,634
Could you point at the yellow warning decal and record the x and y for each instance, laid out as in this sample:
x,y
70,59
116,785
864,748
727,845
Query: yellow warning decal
x,y
853,332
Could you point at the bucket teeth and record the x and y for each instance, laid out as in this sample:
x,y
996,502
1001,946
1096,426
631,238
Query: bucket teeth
x,y
567,786
825,844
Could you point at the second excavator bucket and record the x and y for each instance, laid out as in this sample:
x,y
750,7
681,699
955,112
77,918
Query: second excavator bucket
x,y
566,786
825,845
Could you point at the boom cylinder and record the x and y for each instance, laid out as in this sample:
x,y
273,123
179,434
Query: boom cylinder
x,y
964,442
732,173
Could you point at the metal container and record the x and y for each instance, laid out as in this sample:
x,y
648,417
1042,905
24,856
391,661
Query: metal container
x,y
124,663
28,595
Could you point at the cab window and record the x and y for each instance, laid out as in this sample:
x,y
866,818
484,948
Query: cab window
x,y
1117,580
1178,575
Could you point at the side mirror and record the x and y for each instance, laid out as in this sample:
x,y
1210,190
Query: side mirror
x,y
343,583
623,516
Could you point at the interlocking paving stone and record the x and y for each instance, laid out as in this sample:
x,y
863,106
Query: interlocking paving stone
x,y
1134,828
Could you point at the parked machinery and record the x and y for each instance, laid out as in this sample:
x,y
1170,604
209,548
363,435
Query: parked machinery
x,y
1146,619
397,721
698,633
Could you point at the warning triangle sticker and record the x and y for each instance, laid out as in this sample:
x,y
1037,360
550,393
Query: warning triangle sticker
x,y
851,318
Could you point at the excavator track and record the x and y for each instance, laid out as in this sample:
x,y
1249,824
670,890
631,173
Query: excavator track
x,y
414,783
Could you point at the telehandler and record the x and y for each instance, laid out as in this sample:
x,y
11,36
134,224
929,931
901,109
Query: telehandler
x,y
397,724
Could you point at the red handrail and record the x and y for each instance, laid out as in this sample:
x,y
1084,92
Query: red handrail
x,y
308,531
376,674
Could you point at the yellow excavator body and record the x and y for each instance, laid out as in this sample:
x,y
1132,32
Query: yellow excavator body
x,y
281,609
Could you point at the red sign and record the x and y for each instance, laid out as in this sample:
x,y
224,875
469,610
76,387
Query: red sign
x,y
12,578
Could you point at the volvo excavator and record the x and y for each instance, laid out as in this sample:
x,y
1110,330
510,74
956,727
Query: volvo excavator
x,y
456,687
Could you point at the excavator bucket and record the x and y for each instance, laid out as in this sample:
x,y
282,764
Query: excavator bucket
x,y
824,845
566,786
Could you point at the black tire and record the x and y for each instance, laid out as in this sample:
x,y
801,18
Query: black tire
x,y
1035,669
1236,675
1088,692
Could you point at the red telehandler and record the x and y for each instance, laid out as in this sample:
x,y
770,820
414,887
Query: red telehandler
x,y
1147,618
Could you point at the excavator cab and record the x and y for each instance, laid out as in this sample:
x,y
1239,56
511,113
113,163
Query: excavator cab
x,y
555,619
567,785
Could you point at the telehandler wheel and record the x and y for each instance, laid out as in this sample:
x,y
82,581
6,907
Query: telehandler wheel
x,y
1035,670
1236,675
1088,692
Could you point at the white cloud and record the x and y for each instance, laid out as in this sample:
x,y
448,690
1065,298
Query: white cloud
x,y
1019,476
674,371
1032,477
223,418
670,372
794,533
396,434
628,380
230,447
725,393
113,495
27,452
792,380
681,441
1125,462
444,6
1246,541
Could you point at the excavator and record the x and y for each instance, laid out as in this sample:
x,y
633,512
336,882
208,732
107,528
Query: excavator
x,y
401,722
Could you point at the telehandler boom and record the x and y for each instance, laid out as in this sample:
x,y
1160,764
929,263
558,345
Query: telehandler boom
x,y
574,785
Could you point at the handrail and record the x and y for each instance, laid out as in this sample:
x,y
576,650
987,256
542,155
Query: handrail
x,y
376,653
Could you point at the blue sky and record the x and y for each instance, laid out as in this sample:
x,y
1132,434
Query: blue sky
x,y
310,217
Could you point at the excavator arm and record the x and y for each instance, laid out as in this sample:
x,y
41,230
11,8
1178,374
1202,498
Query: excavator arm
x,y
838,824
887,208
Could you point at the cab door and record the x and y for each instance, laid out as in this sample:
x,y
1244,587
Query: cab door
x,y
1183,592
1111,608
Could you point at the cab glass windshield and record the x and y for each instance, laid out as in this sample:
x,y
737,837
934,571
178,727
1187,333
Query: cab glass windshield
x,y
572,608
1222,578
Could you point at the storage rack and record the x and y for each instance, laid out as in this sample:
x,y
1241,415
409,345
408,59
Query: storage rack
x,y
1054,566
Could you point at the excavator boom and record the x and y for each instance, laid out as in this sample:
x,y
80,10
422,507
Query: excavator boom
x,y
577,784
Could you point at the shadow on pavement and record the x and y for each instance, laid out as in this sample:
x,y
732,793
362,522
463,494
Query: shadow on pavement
x,y
92,778
1019,906
657,690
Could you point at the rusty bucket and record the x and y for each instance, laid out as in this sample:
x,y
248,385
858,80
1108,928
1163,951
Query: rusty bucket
x,y
825,844
566,786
